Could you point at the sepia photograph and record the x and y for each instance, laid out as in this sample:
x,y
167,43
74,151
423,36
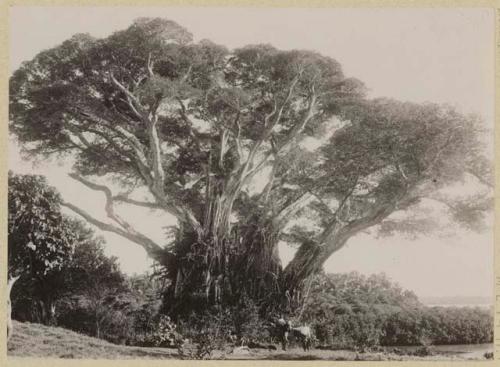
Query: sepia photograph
x,y
250,183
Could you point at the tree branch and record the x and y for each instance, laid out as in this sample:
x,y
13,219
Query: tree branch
x,y
292,208
132,100
145,204
155,147
153,249
149,65
294,132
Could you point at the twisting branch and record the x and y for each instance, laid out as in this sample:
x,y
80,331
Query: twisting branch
x,y
152,176
109,207
123,229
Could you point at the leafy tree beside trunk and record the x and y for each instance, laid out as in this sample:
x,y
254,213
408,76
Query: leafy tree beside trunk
x,y
245,148
39,245
58,258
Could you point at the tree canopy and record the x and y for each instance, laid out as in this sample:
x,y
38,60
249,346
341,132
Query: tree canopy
x,y
245,147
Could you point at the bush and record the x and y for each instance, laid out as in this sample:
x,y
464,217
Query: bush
x,y
164,334
206,333
219,328
103,321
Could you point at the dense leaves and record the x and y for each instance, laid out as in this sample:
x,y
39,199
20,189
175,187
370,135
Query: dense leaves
x,y
40,246
58,258
354,311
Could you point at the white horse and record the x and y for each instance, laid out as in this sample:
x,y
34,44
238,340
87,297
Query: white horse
x,y
301,333
10,283
304,335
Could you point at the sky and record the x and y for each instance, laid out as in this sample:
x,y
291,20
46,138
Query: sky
x,y
438,55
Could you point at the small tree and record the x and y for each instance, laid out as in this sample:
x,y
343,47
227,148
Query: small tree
x,y
39,243
57,256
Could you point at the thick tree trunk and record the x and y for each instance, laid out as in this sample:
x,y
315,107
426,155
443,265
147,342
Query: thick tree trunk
x,y
311,256
307,262
226,264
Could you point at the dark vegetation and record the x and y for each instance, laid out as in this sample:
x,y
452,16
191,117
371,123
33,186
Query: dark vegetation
x,y
349,310
68,281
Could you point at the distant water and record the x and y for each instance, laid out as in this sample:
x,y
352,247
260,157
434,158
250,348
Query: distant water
x,y
458,301
468,351
481,305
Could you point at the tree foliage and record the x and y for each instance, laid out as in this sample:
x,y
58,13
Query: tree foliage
x,y
58,257
354,311
221,140
38,241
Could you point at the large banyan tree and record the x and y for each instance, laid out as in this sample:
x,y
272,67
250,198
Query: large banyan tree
x,y
245,148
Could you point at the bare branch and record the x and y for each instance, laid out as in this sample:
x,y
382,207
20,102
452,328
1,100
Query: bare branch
x,y
297,129
109,199
149,65
223,147
153,249
292,208
124,229
294,132
132,100
188,72
239,148
131,138
155,147
145,204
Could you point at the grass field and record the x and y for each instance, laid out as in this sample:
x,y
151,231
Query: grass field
x,y
35,340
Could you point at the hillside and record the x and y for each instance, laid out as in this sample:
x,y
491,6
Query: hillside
x,y
35,340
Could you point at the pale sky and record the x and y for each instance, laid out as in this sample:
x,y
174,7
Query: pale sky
x,y
437,55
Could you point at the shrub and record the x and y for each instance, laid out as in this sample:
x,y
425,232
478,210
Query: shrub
x,y
488,355
164,334
207,332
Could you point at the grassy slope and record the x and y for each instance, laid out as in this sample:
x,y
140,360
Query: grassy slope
x,y
35,340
